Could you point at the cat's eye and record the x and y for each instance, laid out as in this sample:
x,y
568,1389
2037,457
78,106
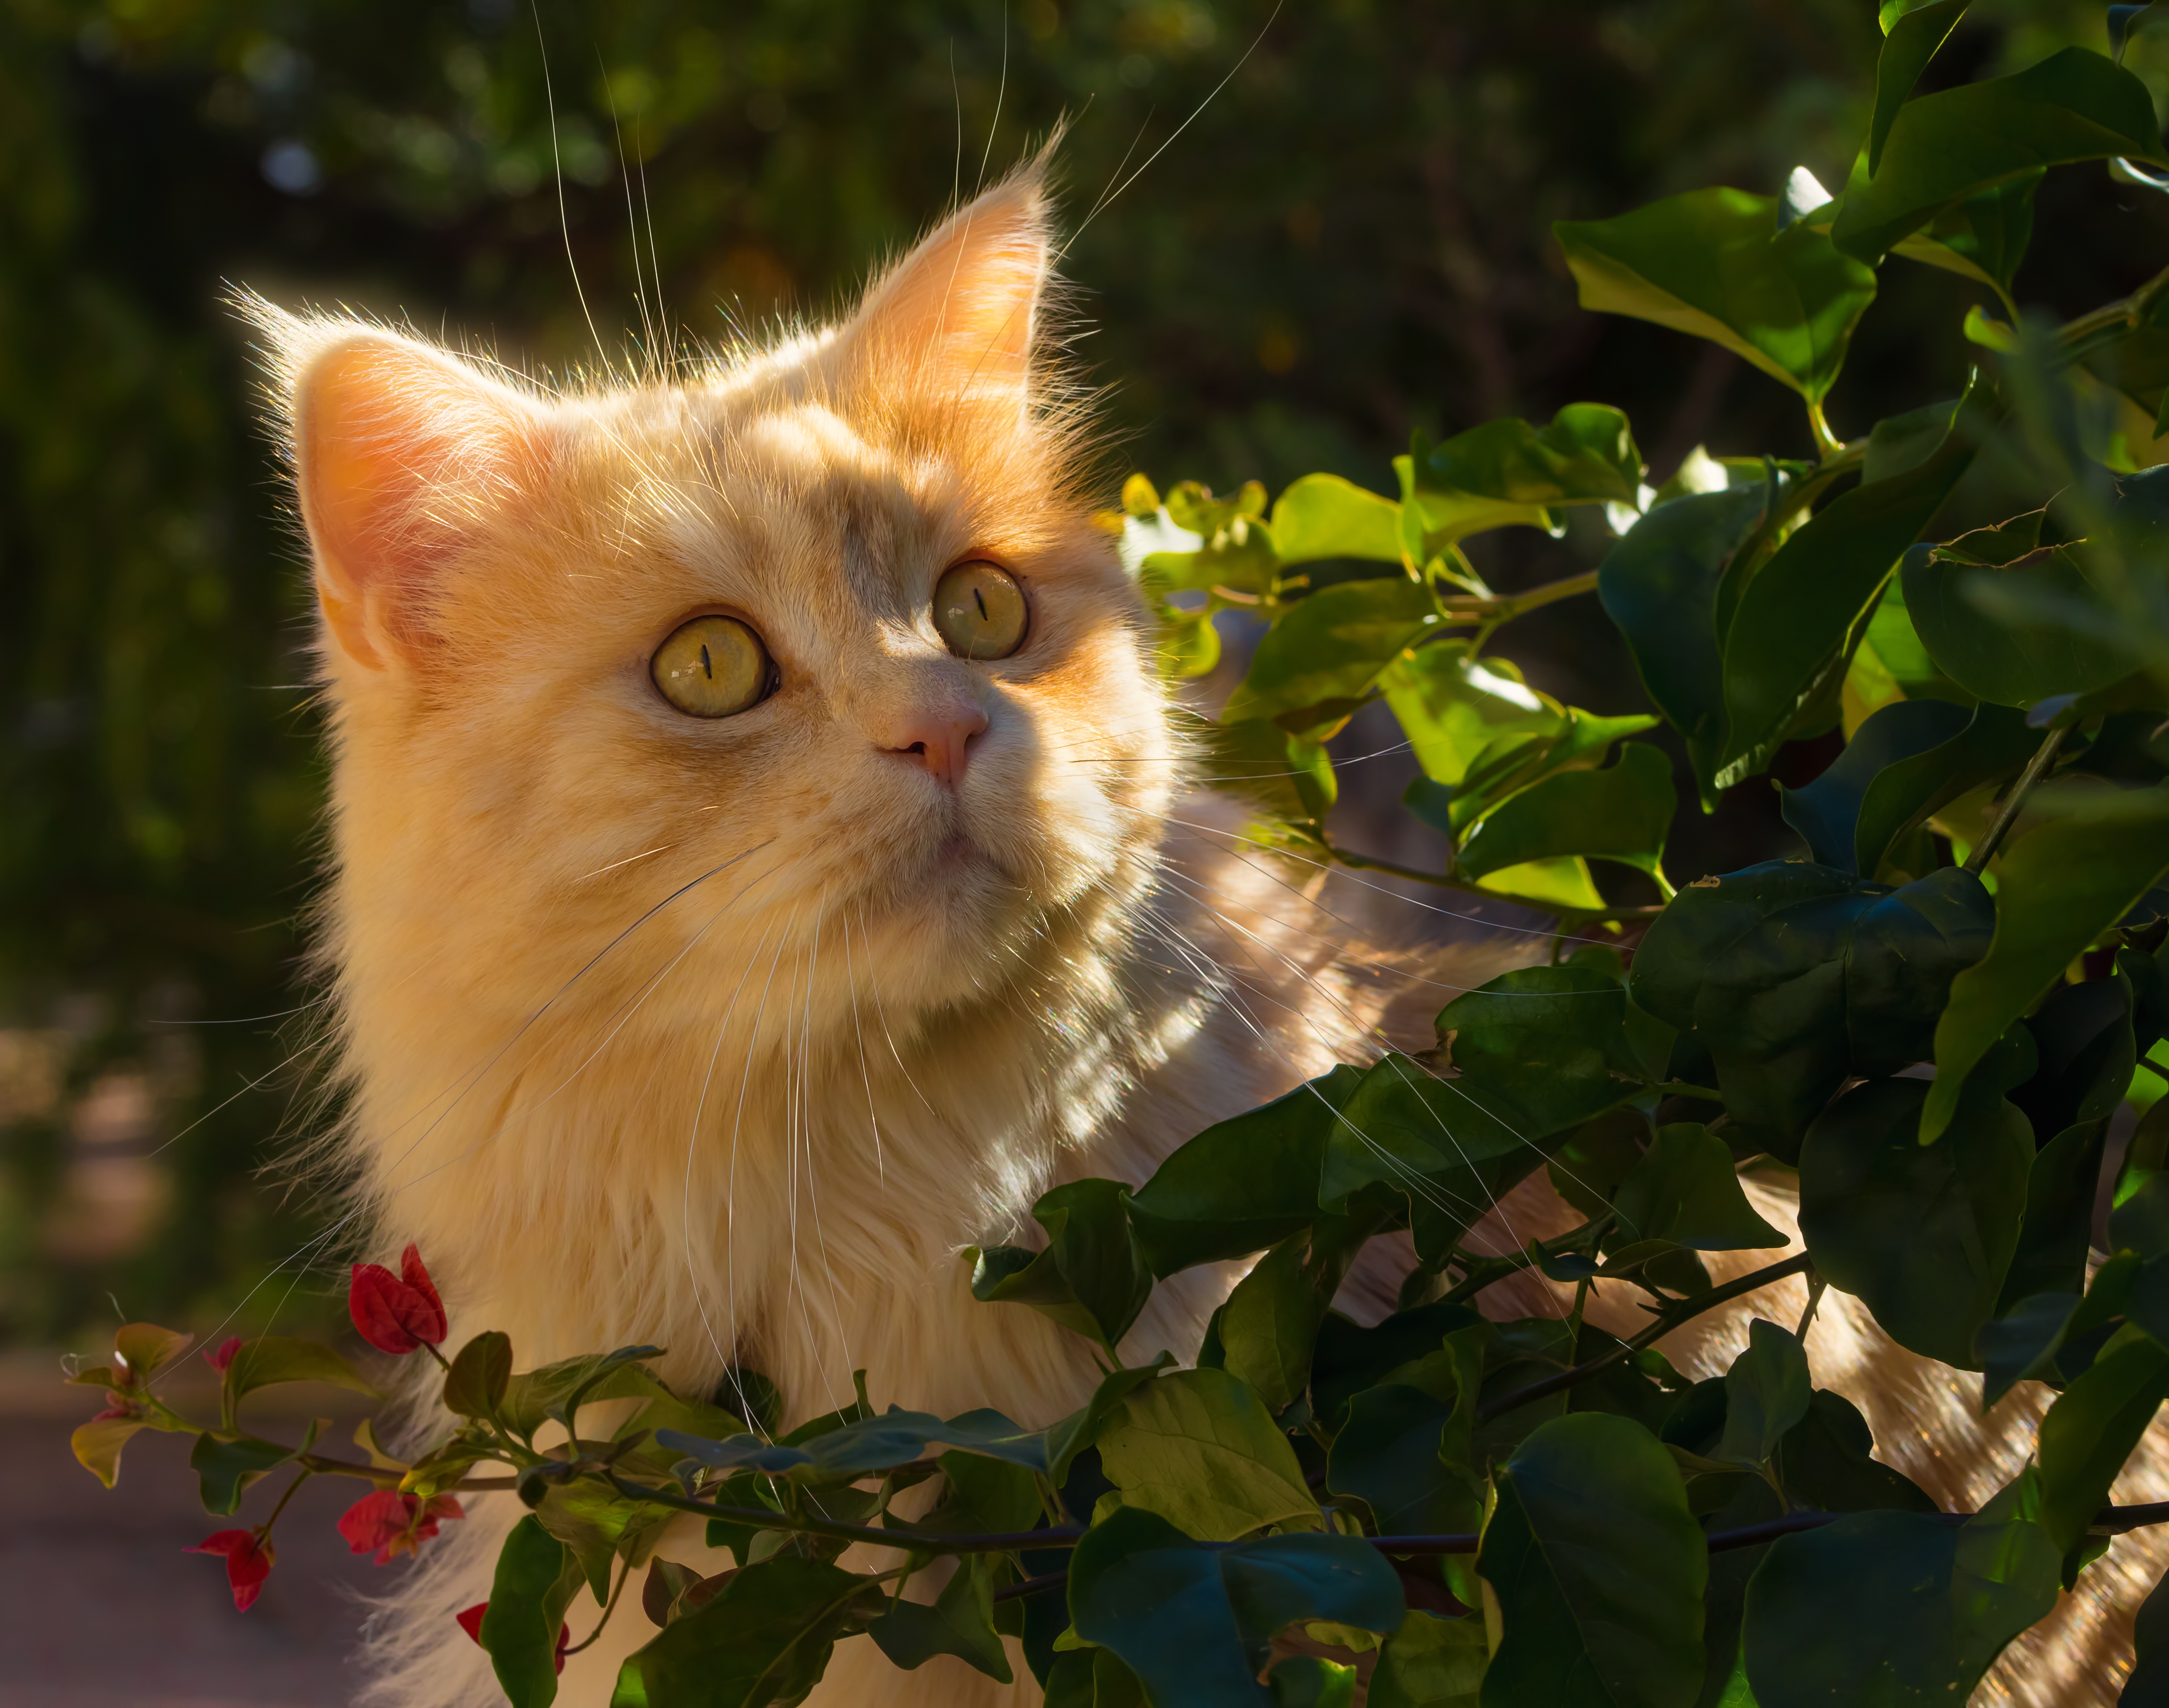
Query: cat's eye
x,y
711,667
979,610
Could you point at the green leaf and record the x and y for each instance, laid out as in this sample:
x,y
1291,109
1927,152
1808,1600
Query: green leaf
x,y
1826,812
1508,471
1796,977
2060,1213
1911,40
2148,1686
1827,1460
2022,1343
1658,585
1200,1449
2091,1429
534,1397
1599,1569
266,1363
474,1385
1983,237
2059,886
226,1465
1306,1681
1081,1428
765,1637
97,1444
1270,1323
1244,1184
1946,147
1092,1276
1548,1044
1713,263
1323,515
1684,1189
1430,1662
1982,624
1922,1235
1350,1358
1789,631
1515,761
1196,1625
146,1348
1620,813
961,1622
1893,1608
1995,743
535,1580
1406,1453
1453,707
1766,1394
1283,775
1333,645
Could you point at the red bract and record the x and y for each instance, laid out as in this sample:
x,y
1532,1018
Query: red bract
x,y
248,1561
394,1523
397,1313
470,1621
220,1358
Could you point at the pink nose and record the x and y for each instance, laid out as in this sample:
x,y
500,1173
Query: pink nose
x,y
940,740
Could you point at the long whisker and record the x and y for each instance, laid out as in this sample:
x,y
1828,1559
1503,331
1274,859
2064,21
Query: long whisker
x,y
557,161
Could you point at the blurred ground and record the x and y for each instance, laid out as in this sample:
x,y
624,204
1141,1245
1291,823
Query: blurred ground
x,y
100,1606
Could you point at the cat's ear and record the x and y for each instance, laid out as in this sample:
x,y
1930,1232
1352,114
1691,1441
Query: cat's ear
x,y
958,316
398,450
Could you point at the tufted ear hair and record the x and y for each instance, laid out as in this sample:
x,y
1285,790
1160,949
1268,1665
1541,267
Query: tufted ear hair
x,y
958,315
398,451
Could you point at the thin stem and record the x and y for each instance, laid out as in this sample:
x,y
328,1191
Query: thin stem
x,y
1492,1270
302,1476
1680,1088
1686,1311
2036,768
1503,607
1365,862
322,1466
1007,1542
609,1607
1827,443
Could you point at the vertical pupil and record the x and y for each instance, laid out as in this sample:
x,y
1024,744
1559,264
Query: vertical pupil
x,y
707,667
980,599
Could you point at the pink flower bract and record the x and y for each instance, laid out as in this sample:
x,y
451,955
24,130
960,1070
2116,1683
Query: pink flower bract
x,y
390,1523
397,1313
248,1562
220,1358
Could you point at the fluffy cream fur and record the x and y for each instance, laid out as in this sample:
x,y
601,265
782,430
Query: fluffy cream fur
x,y
728,1035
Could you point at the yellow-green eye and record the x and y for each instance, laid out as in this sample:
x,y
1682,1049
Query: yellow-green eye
x,y
711,667
979,610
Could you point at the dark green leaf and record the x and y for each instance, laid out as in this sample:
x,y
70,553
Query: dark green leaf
x,y
1983,237
1910,41
1270,1322
1333,645
1788,632
1305,1681
1684,1189
533,1397
961,1622
1453,707
1766,1393
765,1637
1921,1234
535,1580
1350,1358
2051,1256
1621,813
1893,1608
1507,472
476,1384
2092,1428
1995,743
1200,1449
226,1465
2022,1343
2148,1686
1826,812
1827,1460
2018,632
1549,1044
1713,263
1946,147
1430,1662
2060,885
1404,1449
1091,1277
1196,1625
1599,1569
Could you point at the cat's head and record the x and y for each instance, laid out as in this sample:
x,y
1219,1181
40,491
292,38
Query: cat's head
x,y
825,630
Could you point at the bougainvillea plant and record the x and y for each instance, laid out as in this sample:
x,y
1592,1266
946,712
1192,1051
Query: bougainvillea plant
x,y
1928,1022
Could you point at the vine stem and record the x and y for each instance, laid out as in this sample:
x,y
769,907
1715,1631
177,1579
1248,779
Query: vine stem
x,y
1365,862
2036,768
609,1607
1666,1323
1503,607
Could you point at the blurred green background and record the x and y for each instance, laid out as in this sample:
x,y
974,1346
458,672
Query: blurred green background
x,y
1348,241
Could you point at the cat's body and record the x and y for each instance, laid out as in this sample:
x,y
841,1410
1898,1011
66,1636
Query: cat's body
x,y
728,1032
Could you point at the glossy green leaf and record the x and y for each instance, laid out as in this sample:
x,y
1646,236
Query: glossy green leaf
x,y
1430,1662
1983,237
2059,1212
1306,1681
1351,1358
1091,1277
1620,813
1684,1189
1910,41
1196,1625
1766,1393
1894,1609
1514,762
536,1580
1827,1460
1826,812
960,1622
1599,1570
226,1465
1244,1184
764,1637
1549,1045
1452,706
2022,1343
1323,515
1404,1446
2091,1429
1714,264
534,1397
1789,631
1333,645
1922,1235
1995,744
1270,1322
1508,470
1658,585
2059,886
1948,147
1995,630
1200,1449
1281,775
477,1382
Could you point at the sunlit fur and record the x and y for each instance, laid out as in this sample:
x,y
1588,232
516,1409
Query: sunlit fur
x,y
729,1035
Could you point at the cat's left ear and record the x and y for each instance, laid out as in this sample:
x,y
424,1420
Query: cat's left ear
x,y
959,314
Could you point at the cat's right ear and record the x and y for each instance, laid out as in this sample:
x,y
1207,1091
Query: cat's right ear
x,y
398,450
